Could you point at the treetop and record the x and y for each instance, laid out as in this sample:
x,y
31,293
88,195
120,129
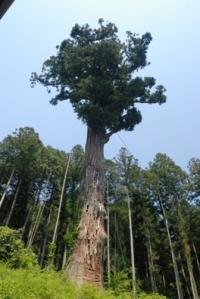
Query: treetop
x,y
97,73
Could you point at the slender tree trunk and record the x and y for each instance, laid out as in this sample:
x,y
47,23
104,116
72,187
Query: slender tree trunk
x,y
164,281
6,188
35,227
108,235
192,279
151,263
34,213
30,211
187,253
33,218
85,263
108,245
115,243
37,223
196,257
147,269
184,276
13,203
60,203
64,257
45,239
132,247
176,273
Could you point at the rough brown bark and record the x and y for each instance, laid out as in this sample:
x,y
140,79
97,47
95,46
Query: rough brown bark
x,y
85,263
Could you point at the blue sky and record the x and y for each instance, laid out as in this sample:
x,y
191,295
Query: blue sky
x,y
31,29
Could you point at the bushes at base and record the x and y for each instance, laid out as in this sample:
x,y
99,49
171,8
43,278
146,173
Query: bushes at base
x,y
33,284
28,281
48,284
12,250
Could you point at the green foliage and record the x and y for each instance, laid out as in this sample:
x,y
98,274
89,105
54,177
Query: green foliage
x,y
33,284
151,296
20,150
71,236
194,169
51,255
47,284
94,70
12,251
120,282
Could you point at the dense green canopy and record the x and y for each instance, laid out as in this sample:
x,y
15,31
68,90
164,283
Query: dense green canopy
x,y
96,72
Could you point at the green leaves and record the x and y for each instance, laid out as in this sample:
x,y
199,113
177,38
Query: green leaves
x,y
48,284
136,50
21,150
94,70
12,251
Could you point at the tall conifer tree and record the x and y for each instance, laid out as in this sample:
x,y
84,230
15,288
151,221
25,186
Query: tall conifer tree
x,y
96,72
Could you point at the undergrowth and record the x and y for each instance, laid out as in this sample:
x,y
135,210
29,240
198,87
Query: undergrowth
x,y
22,278
48,284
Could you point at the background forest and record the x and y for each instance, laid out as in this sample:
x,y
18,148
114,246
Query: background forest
x,y
39,187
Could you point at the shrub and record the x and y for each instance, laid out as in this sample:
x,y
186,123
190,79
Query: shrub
x,y
12,251
28,281
48,284
33,284
120,282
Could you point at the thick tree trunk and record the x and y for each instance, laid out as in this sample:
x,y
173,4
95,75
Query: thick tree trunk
x,y
85,263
